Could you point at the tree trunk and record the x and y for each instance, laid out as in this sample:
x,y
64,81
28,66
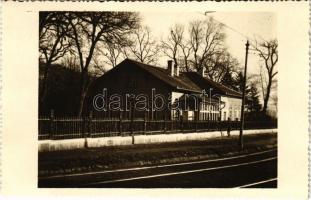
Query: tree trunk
x,y
186,66
43,92
266,99
84,76
83,91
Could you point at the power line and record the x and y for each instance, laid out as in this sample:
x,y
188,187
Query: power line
x,y
227,26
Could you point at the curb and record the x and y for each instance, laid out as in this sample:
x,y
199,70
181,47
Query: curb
x,y
69,144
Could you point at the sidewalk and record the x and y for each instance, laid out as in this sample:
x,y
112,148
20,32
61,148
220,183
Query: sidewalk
x,y
68,144
113,157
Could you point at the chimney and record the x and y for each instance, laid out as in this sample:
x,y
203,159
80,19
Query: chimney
x,y
176,68
203,72
170,67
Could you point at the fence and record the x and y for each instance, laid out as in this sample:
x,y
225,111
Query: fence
x,y
79,127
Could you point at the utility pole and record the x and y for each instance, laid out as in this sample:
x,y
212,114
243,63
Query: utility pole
x,y
243,99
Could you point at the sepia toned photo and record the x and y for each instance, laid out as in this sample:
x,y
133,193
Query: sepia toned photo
x,y
154,100
157,99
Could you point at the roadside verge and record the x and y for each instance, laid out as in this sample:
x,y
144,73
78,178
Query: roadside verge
x,y
117,157
68,144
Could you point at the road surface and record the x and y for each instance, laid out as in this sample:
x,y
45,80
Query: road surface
x,y
255,170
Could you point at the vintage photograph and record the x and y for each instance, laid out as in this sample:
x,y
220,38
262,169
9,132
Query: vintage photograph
x,y
157,99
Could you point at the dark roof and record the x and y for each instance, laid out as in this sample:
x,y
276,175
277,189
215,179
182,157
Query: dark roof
x,y
180,83
186,81
206,83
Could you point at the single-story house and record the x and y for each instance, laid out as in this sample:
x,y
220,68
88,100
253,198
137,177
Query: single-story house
x,y
138,90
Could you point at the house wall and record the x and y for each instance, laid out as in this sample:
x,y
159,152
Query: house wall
x,y
209,111
130,81
232,108
174,113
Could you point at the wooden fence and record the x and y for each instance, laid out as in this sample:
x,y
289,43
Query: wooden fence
x,y
79,127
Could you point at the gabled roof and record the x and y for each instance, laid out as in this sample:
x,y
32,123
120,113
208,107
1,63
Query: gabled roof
x,y
186,81
179,83
206,83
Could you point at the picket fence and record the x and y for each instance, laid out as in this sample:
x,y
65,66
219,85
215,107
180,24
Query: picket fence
x,y
51,127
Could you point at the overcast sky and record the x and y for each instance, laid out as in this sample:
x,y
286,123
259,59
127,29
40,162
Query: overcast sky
x,y
250,24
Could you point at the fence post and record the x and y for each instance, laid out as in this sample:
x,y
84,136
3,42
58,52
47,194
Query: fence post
x,y
196,123
145,124
51,124
219,125
164,123
90,123
83,126
208,121
182,124
229,126
120,124
132,126
237,123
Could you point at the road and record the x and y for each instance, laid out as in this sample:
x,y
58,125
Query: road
x,y
256,170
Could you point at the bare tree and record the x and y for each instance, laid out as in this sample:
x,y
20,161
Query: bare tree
x,y
275,101
171,46
98,64
219,65
268,52
110,53
206,39
113,54
91,28
70,62
144,48
46,20
186,50
263,81
53,43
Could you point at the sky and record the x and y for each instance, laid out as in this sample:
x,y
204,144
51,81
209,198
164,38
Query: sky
x,y
239,26
260,25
